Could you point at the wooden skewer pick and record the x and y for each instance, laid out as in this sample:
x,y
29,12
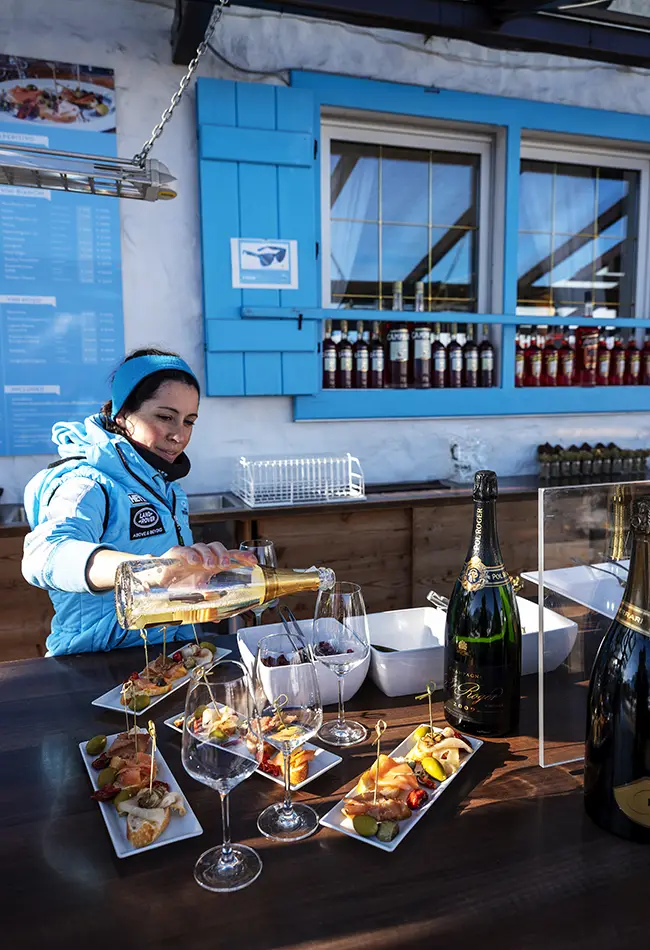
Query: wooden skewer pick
x,y
380,729
196,636
152,732
125,694
279,703
431,688
143,634
164,645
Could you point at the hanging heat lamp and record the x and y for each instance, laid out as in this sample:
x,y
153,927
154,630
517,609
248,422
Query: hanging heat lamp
x,y
140,177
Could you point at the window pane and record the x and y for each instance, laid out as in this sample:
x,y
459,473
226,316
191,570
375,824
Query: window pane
x,y
404,185
577,236
403,214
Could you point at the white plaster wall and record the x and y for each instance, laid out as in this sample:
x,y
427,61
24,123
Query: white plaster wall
x,y
160,242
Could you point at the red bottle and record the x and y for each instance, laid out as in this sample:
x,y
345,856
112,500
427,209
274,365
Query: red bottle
x,y
470,360
486,360
632,363
587,347
455,360
566,361
604,361
329,358
520,361
645,360
361,360
550,363
344,359
533,370
377,358
438,360
617,363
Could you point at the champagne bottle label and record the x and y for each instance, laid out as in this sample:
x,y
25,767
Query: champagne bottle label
x,y
635,618
476,575
634,800
471,694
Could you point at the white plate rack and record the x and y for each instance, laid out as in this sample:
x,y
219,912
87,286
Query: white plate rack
x,y
265,483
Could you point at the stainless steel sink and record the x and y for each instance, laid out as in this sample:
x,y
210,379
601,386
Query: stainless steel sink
x,y
213,501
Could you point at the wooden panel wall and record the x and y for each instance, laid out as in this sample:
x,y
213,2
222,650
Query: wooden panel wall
x,y
25,612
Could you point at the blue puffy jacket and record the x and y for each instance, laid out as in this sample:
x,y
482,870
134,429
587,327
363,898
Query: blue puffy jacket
x,y
101,495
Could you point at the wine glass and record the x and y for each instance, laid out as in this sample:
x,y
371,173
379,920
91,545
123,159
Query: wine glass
x,y
221,749
264,551
290,713
341,642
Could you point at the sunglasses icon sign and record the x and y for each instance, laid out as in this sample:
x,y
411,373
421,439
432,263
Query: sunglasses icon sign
x,y
267,254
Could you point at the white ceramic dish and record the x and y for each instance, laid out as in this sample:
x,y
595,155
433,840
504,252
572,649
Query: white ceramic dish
x,y
111,699
338,821
178,828
323,761
584,585
418,636
248,639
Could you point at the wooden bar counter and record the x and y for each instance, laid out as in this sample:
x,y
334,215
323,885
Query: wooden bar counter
x,y
397,544
505,860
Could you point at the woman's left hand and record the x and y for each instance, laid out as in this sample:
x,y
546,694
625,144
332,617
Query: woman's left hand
x,y
216,557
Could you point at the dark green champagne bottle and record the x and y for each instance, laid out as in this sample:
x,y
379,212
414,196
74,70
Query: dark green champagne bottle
x,y
617,751
483,631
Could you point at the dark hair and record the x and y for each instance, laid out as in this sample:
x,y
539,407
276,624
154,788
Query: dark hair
x,y
145,389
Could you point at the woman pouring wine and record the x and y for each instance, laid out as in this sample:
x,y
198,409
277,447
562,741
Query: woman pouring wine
x,y
113,496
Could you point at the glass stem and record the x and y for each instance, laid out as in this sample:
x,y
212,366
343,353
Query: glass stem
x,y
341,712
287,804
227,858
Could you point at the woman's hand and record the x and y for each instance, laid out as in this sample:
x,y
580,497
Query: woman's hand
x,y
211,557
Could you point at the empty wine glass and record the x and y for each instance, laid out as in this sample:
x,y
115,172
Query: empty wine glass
x,y
264,551
341,642
221,749
290,713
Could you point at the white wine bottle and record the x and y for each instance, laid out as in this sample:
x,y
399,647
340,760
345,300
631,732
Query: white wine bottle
x,y
483,631
617,772
156,591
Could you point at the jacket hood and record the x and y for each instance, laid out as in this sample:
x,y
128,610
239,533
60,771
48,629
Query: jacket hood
x,y
92,441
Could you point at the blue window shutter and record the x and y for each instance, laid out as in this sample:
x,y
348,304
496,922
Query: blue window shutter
x,y
258,176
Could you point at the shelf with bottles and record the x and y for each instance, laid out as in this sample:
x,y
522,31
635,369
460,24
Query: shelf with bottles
x,y
585,462
403,353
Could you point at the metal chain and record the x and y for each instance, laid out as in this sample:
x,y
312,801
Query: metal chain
x,y
141,156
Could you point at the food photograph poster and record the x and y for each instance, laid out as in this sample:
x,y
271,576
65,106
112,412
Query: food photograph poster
x,y
61,322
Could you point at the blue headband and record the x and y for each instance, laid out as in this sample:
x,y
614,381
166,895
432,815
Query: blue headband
x,y
134,371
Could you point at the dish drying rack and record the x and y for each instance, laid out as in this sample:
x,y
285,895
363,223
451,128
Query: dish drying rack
x,y
265,483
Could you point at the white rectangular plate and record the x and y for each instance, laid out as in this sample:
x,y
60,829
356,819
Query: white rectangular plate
x,y
323,761
111,699
178,828
336,819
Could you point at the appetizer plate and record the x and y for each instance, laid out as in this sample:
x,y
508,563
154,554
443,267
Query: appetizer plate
x,y
111,699
323,761
86,119
178,828
338,821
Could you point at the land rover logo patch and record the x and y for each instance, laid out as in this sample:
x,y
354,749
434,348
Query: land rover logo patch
x,y
145,522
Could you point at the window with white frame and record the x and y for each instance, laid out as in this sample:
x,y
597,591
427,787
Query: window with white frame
x,y
582,232
405,204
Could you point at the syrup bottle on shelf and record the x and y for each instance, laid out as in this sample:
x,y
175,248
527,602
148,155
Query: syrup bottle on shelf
x,y
361,361
470,359
645,360
421,344
533,370
486,360
617,362
329,358
455,360
587,346
632,362
566,359
438,360
604,360
550,362
398,345
344,358
520,359
377,358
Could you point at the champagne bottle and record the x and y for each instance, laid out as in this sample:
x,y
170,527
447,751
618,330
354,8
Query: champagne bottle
x,y
483,632
156,591
617,772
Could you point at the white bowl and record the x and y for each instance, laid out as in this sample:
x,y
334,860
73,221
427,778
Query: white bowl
x,y
249,637
418,636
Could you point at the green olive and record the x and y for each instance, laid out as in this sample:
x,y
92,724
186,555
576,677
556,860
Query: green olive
x,y
433,768
421,732
387,830
218,735
365,825
123,796
96,745
208,646
189,663
106,777
139,701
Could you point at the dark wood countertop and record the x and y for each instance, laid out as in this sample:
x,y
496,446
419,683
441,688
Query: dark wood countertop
x,y
506,858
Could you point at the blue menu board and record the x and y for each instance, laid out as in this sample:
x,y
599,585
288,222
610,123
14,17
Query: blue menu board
x,y
61,322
